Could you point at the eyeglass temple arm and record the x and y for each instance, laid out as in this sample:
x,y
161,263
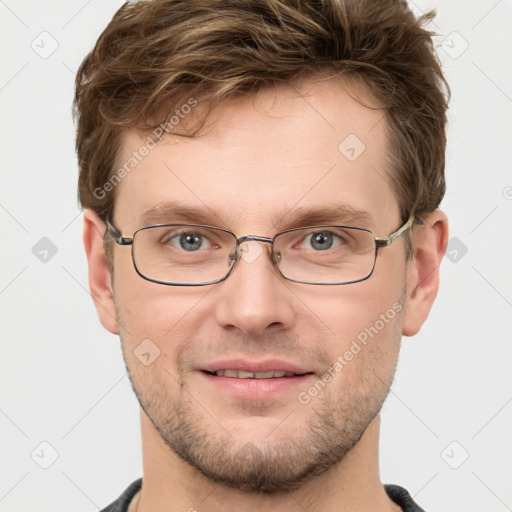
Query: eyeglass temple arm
x,y
385,241
116,234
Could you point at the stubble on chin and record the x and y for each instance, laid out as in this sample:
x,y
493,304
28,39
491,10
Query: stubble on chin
x,y
272,465
278,463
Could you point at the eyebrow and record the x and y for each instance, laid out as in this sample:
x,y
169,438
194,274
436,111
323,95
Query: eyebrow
x,y
171,211
333,214
339,214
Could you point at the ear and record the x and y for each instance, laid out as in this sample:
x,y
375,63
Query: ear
x,y
100,282
430,242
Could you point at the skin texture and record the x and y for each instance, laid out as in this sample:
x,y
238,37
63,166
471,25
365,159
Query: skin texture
x,y
203,448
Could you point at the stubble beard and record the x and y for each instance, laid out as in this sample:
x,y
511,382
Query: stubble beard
x,y
278,464
273,465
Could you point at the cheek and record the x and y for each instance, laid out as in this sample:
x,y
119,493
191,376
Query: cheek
x,y
348,312
154,337
363,360
363,331
373,346
145,308
163,318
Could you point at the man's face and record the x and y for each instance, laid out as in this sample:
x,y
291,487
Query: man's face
x,y
264,157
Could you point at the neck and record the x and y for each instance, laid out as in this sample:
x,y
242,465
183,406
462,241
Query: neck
x,y
170,484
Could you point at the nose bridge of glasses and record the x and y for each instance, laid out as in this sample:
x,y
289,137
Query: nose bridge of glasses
x,y
249,255
249,238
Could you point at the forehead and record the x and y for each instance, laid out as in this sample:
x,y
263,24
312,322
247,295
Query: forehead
x,y
262,158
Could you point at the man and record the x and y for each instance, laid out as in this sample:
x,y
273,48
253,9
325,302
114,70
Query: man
x,y
261,183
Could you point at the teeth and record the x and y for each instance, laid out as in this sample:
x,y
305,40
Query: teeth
x,y
268,375
241,374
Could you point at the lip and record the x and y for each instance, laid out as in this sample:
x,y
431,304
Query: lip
x,y
264,365
252,388
255,389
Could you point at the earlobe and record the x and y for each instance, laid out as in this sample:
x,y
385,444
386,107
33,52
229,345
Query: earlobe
x,y
99,275
423,273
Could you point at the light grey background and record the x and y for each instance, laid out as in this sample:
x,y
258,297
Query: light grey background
x,y
63,381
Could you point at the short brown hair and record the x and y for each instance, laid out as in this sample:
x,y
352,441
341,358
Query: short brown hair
x,y
156,54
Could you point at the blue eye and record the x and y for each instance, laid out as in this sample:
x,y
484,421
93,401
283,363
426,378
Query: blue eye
x,y
321,241
190,241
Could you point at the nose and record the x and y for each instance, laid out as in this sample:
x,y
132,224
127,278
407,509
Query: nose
x,y
255,298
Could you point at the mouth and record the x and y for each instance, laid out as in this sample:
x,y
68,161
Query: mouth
x,y
242,374
239,368
249,380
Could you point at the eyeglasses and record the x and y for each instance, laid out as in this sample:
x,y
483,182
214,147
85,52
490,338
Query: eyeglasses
x,y
199,255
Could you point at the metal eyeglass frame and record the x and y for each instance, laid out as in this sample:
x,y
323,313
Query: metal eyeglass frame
x,y
379,242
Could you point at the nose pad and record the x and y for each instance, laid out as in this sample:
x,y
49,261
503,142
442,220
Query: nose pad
x,y
232,258
250,252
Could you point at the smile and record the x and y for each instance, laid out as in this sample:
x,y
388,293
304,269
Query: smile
x,y
241,374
